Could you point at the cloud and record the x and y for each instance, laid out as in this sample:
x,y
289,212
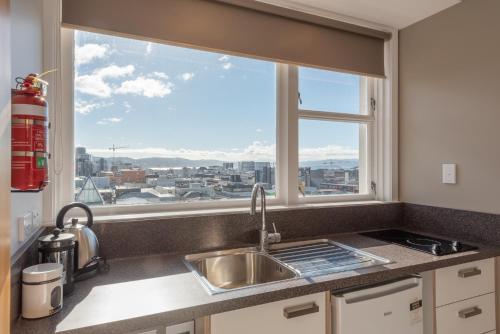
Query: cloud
x,y
259,130
160,75
110,120
149,48
128,107
85,108
227,66
187,76
224,58
88,52
94,84
147,87
114,71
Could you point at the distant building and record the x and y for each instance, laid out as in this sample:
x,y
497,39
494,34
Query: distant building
x,y
227,165
246,166
132,176
265,175
89,193
83,162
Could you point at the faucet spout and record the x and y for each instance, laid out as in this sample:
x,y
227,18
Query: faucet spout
x,y
265,236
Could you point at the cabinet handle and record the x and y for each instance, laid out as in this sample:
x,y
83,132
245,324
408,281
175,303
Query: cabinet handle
x,y
299,310
470,312
469,272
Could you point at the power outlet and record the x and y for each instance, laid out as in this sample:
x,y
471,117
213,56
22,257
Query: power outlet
x,y
24,226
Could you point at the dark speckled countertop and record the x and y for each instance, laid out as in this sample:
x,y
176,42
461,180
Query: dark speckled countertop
x,y
144,292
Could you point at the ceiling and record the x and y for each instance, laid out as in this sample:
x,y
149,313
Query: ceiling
x,y
393,13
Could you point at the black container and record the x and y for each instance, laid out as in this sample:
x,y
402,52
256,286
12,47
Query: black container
x,y
59,248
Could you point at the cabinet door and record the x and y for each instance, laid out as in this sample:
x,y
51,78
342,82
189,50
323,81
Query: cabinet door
x,y
471,316
464,281
299,315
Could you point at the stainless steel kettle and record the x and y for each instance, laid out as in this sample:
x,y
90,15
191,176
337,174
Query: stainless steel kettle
x,y
87,247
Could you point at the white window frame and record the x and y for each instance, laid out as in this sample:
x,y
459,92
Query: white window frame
x,y
381,134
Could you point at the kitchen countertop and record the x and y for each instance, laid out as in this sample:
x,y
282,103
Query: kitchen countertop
x,y
158,290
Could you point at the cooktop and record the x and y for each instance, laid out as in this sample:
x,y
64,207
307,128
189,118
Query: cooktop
x,y
420,242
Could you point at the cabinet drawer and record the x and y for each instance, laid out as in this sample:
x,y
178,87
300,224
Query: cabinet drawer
x,y
471,316
305,314
464,281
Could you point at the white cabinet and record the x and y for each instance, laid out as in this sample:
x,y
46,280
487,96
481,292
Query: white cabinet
x,y
305,314
460,299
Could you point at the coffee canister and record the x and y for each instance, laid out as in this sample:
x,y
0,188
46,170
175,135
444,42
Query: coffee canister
x,y
59,248
42,293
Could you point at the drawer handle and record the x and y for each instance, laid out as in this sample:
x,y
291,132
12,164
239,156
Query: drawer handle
x,y
300,310
464,273
470,312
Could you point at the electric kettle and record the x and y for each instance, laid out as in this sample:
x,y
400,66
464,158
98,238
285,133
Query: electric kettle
x,y
87,247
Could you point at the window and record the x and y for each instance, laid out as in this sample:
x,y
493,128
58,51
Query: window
x,y
333,133
158,125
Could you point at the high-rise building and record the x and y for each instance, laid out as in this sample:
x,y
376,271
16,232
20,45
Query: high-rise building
x,y
83,162
227,165
246,166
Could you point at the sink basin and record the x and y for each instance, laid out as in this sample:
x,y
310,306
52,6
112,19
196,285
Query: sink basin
x,y
223,271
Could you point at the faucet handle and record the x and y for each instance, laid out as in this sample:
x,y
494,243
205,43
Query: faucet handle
x,y
274,227
274,237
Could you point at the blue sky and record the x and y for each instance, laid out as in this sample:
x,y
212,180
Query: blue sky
x,y
161,100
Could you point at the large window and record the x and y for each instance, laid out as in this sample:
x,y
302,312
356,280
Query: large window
x,y
161,124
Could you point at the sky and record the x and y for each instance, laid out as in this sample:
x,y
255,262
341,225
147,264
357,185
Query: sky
x,y
157,100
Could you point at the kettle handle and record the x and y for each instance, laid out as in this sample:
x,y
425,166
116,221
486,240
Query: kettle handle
x,y
66,208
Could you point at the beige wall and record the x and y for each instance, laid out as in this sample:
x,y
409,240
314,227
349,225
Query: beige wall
x,y
4,166
450,107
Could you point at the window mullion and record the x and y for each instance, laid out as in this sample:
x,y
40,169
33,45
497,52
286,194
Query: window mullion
x,y
293,135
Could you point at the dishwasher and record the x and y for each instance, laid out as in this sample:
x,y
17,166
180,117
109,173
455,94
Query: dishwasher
x,y
394,307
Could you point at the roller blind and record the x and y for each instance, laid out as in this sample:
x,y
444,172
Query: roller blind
x,y
239,27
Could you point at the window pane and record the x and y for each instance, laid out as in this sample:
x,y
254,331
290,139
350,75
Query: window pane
x,y
322,90
329,158
161,124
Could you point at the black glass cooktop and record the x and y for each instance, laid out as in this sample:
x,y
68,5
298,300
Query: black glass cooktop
x,y
423,243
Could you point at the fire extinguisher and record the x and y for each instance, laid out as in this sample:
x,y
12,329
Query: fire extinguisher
x,y
30,126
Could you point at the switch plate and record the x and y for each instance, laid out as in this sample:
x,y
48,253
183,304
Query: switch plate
x,y
449,173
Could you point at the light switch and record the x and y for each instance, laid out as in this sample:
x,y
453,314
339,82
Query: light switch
x,y
450,173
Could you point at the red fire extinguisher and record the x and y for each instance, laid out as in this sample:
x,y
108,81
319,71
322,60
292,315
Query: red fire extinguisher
x,y
30,128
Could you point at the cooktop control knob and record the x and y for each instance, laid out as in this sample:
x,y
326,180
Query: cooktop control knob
x,y
456,245
437,249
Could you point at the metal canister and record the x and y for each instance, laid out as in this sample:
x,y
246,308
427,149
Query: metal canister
x,y
59,247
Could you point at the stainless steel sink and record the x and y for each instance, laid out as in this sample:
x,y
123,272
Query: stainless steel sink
x,y
222,271
236,269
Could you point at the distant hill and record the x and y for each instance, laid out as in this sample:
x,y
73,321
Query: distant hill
x,y
180,162
331,164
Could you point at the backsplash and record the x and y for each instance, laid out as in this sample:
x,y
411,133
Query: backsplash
x,y
193,234
459,224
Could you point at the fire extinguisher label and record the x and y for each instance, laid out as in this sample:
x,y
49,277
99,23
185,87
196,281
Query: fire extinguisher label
x,y
29,110
40,162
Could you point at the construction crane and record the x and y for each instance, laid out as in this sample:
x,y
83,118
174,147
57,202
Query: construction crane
x,y
114,149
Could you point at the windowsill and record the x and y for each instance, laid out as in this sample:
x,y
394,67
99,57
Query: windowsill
x,y
225,211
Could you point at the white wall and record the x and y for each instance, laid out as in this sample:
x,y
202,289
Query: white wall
x,y
449,66
26,53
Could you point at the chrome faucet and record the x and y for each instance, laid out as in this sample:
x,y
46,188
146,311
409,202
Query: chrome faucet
x,y
265,237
